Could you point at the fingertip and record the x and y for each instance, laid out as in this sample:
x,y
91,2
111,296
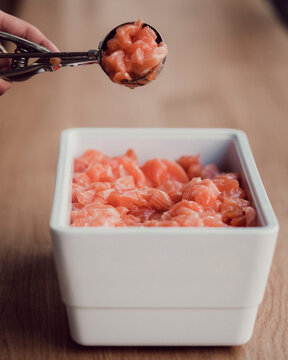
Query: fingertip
x,y
49,45
4,86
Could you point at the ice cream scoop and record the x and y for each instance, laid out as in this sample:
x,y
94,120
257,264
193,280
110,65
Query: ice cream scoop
x,y
29,59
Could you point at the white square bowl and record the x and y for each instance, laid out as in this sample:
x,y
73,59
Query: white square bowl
x,y
162,286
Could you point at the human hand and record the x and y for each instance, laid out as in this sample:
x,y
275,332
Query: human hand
x,y
21,28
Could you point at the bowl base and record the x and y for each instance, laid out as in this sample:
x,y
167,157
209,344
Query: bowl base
x,y
161,327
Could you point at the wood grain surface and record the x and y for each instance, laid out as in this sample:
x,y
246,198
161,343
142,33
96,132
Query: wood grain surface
x,y
227,67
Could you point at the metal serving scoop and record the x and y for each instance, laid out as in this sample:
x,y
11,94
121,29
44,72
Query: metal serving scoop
x,y
22,69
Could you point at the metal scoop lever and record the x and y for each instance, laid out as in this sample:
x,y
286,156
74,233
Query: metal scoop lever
x,y
26,50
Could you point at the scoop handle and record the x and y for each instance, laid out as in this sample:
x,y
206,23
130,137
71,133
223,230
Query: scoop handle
x,y
22,73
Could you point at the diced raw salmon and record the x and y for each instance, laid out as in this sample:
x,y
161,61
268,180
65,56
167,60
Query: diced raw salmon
x,y
143,213
175,172
77,206
229,186
148,60
133,53
133,169
159,200
195,169
86,197
99,216
173,188
213,221
124,183
129,198
90,157
81,179
119,192
159,171
99,172
204,192
179,207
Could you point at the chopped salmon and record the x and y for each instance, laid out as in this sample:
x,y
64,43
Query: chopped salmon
x,y
119,192
133,53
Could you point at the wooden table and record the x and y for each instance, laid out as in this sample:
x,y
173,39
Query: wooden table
x,y
227,67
